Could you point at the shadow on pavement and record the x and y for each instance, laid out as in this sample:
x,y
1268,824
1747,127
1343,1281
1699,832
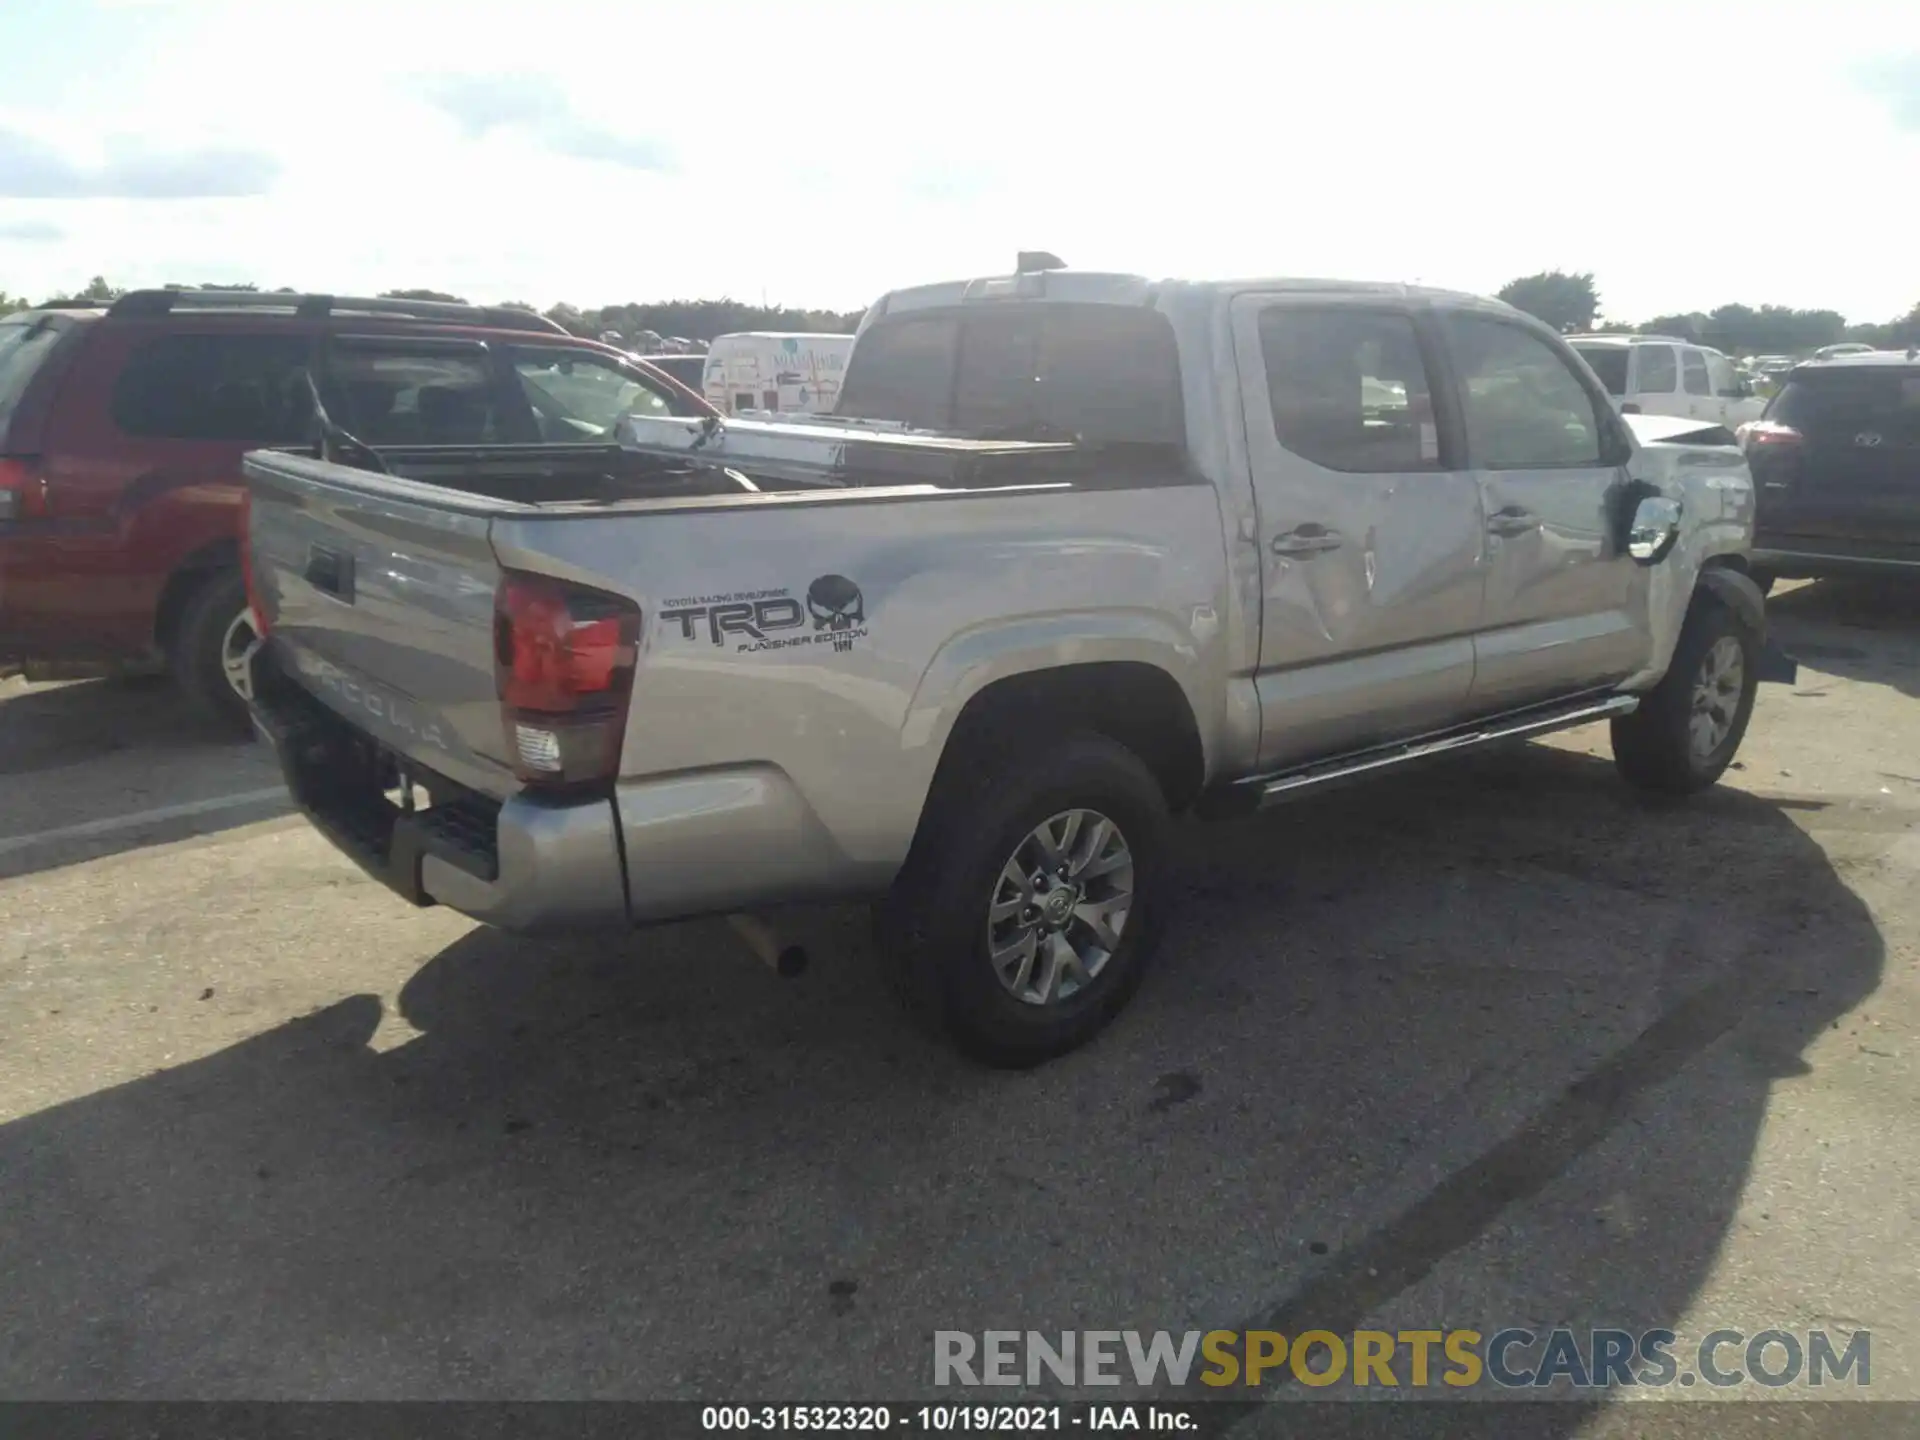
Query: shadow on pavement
x,y
66,724
644,1167
78,761
1865,630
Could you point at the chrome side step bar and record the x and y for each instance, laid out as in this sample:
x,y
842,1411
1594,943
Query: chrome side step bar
x,y
1274,789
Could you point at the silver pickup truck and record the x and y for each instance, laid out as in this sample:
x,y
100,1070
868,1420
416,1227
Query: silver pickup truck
x,y
1081,551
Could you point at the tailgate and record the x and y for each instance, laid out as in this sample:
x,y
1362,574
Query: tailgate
x,y
379,596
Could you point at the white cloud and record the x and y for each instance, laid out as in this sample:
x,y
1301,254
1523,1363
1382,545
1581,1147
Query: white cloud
x,y
819,154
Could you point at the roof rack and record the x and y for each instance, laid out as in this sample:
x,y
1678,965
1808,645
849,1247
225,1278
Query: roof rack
x,y
317,307
1634,338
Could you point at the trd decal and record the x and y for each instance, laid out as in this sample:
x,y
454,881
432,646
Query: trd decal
x,y
756,620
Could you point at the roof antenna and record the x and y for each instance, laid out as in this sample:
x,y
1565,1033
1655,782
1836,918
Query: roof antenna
x,y
1032,261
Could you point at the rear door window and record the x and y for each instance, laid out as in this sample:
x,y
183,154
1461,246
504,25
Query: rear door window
x,y
1694,366
241,389
1349,389
1658,373
407,393
24,345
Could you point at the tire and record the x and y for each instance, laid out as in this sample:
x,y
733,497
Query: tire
x,y
1659,747
935,926
207,638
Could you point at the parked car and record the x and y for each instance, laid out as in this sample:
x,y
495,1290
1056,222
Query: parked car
x,y
763,370
1227,543
122,428
1836,462
1849,347
1658,375
689,370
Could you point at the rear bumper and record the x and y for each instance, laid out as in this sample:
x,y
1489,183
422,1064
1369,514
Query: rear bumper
x,y
520,864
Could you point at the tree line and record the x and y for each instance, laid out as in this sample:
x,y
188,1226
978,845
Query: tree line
x,y
1570,302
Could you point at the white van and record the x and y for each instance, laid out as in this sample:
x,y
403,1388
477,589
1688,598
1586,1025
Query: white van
x,y
764,370
1660,375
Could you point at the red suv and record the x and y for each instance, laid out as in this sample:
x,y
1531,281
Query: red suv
x,y
122,428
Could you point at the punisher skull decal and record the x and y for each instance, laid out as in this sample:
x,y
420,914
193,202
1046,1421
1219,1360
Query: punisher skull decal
x,y
837,607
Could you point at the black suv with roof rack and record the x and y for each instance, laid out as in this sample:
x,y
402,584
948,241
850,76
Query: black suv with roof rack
x,y
122,426
1836,469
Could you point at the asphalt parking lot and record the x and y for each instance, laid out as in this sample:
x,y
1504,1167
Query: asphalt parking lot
x,y
1499,1044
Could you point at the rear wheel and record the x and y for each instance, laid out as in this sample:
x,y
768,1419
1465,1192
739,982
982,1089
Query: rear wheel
x,y
212,649
1024,920
1689,726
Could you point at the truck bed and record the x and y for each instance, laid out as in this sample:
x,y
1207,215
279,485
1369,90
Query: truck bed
x,y
379,589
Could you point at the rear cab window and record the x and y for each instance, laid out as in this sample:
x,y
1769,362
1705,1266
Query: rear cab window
x,y
903,370
24,347
1106,374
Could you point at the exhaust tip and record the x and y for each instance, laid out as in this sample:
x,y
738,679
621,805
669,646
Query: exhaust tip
x,y
786,961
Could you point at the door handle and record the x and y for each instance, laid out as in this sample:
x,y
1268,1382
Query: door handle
x,y
1512,520
1307,540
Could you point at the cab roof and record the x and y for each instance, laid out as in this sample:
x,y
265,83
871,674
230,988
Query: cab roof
x,y
1100,287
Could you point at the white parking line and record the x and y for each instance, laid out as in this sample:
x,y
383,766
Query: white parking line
x,y
89,828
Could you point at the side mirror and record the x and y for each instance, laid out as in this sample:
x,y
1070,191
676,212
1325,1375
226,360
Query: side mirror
x,y
1656,526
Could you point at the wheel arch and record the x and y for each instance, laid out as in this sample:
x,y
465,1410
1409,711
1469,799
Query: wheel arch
x,y
1728,579
1133,702
186,580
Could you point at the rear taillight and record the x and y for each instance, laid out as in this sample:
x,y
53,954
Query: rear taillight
x,y
246,565
563,662
1767,432
23,490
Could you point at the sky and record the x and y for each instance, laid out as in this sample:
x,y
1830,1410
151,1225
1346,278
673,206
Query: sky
x,y
819,152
